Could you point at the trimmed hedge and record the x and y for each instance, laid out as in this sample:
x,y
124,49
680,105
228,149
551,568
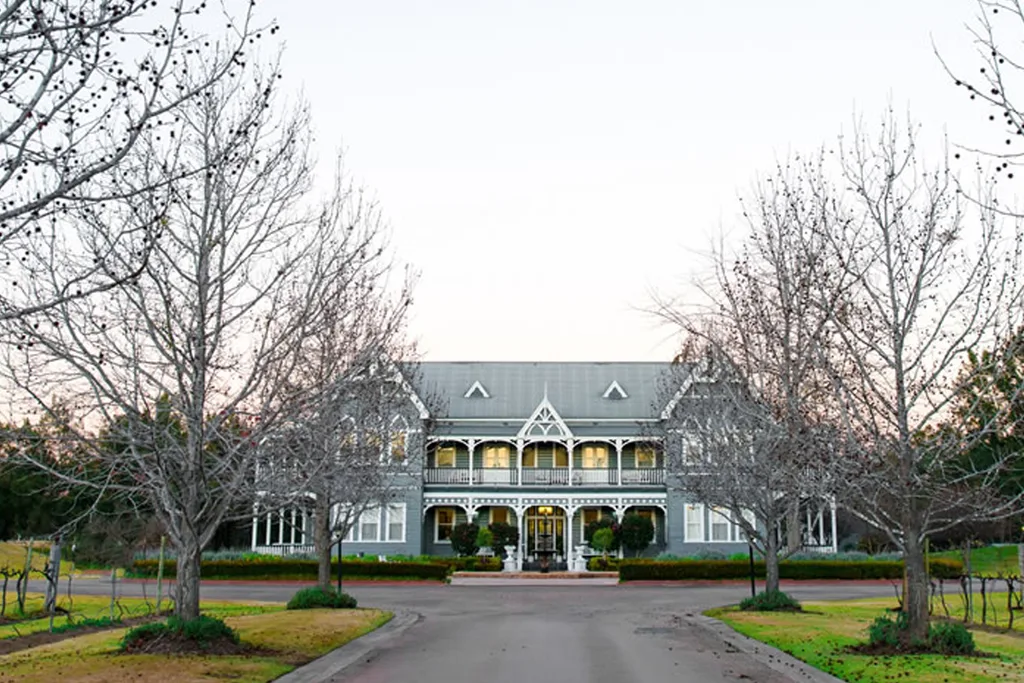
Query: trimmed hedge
x,y
283,568
469,564
648,570
600,564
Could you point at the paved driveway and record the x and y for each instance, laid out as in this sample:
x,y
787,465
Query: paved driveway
x,y
551,632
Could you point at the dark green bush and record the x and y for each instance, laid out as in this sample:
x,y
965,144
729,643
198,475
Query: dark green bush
x,y
463,538
951,638
286,568
202,631
770,601
470,564
504,534
636,533
314,596
677,570
888,630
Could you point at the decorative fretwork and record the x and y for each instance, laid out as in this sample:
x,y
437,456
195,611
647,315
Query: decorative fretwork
x,y
545,423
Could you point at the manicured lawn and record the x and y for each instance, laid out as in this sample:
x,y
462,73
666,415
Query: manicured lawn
x,y
820,637
287,640
96,606
988,561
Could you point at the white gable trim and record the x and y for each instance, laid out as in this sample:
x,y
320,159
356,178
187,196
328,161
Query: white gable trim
x,y
614,388
545,422
698,374
476,388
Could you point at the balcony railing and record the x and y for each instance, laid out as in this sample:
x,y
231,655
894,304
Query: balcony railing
x,y
538,476
643,475
544,476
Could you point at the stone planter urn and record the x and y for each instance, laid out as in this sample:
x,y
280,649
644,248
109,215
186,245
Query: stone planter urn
x,y
510,564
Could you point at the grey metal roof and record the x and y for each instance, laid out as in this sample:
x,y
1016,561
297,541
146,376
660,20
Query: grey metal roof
x,y
516,388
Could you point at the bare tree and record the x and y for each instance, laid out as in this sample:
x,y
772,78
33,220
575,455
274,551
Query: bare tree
x,y
750,434
345,446
82,83
933,277
186,365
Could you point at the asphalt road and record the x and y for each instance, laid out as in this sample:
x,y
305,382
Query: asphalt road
x,y
552,632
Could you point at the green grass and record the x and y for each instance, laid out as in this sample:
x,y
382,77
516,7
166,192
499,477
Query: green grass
x,y
96,606
988,561
820,636
293,637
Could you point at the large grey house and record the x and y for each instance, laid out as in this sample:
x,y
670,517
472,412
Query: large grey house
x,y
548,447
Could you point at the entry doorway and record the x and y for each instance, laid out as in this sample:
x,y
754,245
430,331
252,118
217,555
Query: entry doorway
x,y
546,530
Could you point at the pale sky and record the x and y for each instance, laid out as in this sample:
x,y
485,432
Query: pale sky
x,y
546,164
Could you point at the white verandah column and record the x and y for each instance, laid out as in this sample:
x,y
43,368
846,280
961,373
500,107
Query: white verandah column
x,y
519,462
835,540
570,447
472,447
618,461
255,524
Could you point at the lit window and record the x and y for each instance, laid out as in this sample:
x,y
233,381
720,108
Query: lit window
x,y
694,523
561,457
446,457
398,446
396,522
445,521
499,516
496,456
595,456
645,457
530,457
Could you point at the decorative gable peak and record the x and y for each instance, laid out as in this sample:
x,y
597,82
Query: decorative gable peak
x,y
545,422
477,390
615,391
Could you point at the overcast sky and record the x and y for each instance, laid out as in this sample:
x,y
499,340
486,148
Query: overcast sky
x,y
546,164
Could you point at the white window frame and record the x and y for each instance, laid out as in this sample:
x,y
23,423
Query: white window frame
x,y
691,510
589,453
733,529
636,457
437,523
370,515
503,449
390,511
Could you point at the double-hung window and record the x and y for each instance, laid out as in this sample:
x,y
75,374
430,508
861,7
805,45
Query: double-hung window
x,y
444,519
445,457
595,456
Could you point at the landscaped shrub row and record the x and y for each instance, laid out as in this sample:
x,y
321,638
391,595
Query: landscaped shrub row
x,y
469,564
648,570
283,568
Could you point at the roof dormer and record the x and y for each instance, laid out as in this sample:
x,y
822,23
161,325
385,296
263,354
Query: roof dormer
x,y
615,392
477,390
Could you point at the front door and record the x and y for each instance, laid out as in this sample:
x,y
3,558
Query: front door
x,y
545,530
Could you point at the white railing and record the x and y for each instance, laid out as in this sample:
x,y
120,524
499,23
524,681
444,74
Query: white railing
x,y
593,477
554,476
494,475
446,475
643,475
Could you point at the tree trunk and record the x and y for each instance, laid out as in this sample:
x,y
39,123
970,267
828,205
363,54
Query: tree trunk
x,y
794,540
771,562
186,605
52,576
322,542
915,600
